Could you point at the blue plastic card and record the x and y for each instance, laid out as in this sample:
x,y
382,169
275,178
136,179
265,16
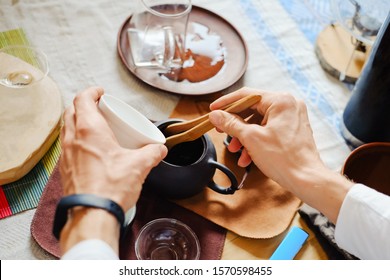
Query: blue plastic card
x,y
290,245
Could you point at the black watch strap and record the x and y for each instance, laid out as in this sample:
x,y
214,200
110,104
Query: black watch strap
x,y
87,200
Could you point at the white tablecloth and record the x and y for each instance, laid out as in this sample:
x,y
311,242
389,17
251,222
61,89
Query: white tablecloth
x,y
79,38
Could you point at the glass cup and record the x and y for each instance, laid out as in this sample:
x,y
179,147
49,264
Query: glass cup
x,y
167,239
22,66
157,33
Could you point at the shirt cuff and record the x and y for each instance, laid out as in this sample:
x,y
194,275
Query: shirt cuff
x,y
91,249
363,223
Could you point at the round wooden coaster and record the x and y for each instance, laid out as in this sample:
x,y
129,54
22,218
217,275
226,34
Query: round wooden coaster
x,y
30,121
336,52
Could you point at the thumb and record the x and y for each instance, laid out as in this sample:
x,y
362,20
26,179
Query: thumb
x,y
228,123
154,153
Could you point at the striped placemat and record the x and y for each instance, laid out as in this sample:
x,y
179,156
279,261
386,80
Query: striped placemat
x,y
13,37
25,193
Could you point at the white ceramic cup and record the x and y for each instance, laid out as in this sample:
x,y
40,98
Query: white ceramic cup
x,y
132,129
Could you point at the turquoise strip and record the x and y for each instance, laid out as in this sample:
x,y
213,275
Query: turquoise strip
x,y
26,192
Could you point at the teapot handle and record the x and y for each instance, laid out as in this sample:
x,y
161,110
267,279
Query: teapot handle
x,y
233,180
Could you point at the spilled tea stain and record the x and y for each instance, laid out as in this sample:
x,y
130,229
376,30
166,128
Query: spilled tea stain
x,y
204,57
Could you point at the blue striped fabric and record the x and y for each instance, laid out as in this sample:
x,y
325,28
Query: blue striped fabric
x,y
310,15
299,13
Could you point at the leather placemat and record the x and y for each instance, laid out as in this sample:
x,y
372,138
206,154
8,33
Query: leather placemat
x,y
149,207
261,209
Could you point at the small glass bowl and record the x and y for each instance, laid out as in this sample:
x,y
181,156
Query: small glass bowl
x,y
22,66
167,239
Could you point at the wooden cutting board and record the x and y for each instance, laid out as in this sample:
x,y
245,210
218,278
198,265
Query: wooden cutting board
x,y
30,121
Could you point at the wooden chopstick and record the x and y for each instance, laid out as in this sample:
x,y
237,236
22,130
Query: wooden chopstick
x,y
234,107
196,128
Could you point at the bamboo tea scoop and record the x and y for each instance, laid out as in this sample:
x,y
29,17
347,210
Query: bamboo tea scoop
x,y
193,129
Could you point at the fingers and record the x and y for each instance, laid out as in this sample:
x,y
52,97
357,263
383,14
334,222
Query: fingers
x,y
277,103
68,129
88,115
231,97
85,101
241,132
236,95
67,134
269,100
234,145
67,137
244,159
228,123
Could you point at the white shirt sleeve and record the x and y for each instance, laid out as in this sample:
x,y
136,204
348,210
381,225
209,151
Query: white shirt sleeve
x,y
92,249
363,224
